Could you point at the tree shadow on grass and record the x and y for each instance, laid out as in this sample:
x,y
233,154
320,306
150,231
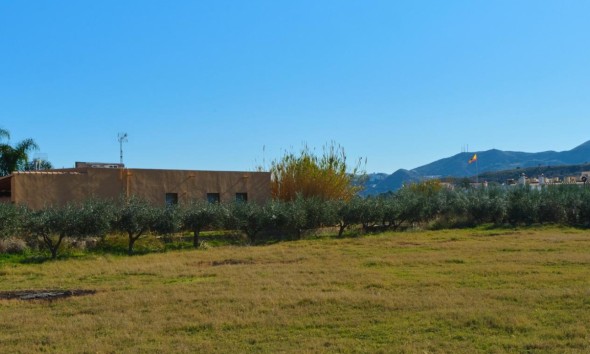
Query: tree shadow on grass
x,y
42,258
37,259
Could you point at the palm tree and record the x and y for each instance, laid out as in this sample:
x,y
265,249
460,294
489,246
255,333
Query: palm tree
x,y
13,158
4,133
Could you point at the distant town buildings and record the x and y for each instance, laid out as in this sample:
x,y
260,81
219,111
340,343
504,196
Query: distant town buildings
x,y
540,181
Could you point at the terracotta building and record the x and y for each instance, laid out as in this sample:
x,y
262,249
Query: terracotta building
x,y
37,189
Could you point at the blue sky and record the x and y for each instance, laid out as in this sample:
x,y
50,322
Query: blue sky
x,y
209,84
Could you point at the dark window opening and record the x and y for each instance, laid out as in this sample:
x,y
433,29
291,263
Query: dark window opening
x,y
241,197
213,198
171,198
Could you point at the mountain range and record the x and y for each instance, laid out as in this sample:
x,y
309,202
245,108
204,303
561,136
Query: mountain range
x,y
490,160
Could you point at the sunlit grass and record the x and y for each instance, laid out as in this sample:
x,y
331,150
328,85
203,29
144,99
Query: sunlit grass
x,y
439,291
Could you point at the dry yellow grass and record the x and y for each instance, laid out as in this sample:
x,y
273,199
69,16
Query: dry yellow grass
x,y
424,292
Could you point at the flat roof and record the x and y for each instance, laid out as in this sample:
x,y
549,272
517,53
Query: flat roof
x,y
46,172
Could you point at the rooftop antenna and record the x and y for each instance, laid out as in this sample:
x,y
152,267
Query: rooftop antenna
x,y
38,160
122,137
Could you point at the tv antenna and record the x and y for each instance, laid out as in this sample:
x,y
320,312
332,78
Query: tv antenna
x,y
122,137
38,160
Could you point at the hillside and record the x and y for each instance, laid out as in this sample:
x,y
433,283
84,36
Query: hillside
x,y
487,161
390,182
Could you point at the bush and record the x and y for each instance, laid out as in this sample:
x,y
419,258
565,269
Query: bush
x,y
307,175
13,245
486,205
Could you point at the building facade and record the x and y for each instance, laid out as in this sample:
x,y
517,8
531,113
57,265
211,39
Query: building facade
x,y
37,189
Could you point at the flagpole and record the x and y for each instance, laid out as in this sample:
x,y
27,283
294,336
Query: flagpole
x,y
476,173
474,159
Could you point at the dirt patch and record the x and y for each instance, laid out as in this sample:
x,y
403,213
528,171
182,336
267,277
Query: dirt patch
x,y
232,261
43,294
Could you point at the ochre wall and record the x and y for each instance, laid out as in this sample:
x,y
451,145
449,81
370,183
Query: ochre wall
x,y
37,190
194,185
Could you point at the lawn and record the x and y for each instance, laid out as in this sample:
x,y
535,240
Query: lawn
x,y
449,291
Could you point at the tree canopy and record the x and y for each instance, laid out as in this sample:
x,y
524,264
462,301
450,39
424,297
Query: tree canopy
x,y
14,158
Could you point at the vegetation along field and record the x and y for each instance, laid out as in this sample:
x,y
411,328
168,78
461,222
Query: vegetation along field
x,y
472,290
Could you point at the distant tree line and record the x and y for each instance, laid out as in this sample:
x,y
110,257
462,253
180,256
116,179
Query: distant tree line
x,y
425,205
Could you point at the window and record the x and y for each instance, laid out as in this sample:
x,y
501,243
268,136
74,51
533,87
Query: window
x,y
213,198
171,198
241,197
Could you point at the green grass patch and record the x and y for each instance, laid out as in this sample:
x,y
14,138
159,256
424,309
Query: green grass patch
x,y
447,291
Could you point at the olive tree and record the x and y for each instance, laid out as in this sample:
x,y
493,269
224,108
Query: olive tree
x,y
199,215
583,205
54,224
136,218
551,207
346,213
167,220
307,213
523,205
393,211
11,219
451,207
246,217
486,205
411,205
279,215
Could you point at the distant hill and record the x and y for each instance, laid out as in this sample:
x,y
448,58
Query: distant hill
x,y
390,182
487,161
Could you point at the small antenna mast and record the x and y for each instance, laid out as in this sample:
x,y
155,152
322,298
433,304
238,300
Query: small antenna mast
x,y
122,137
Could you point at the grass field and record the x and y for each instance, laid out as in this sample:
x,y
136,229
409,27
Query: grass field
x,y
493,291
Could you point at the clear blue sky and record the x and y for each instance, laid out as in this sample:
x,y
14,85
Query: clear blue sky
x,y
207,84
